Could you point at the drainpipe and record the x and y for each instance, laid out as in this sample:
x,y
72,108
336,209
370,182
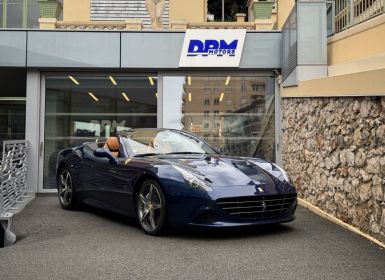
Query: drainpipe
x,y
223,10
351,13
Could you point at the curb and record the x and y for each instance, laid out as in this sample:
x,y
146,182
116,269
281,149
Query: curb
x,y
332,219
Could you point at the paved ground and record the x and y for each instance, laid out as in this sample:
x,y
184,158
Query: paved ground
x,y
91,244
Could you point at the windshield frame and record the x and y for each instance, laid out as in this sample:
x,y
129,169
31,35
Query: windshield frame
x,y
132,154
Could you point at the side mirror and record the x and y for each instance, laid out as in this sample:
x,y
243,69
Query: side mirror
x,y
220,150
103,153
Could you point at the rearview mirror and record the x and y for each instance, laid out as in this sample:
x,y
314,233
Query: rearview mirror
x,y
103,153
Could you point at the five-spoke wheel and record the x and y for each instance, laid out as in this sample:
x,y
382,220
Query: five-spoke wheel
x,y
66,189
151,208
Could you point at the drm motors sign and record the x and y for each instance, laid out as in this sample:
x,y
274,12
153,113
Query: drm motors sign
x,y
212,48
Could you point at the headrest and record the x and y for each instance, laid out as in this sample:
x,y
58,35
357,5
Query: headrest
x,y
112,144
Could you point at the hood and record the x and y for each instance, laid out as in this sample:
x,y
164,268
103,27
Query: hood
x,y
223,171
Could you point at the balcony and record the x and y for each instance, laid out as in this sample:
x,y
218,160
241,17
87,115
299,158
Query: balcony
x,y
58,14
261,15
52,23
351,12
19,14
182,25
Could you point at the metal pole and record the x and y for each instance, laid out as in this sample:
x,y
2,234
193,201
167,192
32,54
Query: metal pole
x,y
25,14
4,23
333,14
351,20
223,10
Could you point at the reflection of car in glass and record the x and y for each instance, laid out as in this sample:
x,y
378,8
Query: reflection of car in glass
x,y
168,177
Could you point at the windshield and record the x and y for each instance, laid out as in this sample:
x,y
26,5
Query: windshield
x,y
153,142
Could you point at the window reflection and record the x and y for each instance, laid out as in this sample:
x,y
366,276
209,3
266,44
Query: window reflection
x,y
233,113
80,108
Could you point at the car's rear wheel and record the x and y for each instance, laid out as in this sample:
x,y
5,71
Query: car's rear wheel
x,y
65,188
151,208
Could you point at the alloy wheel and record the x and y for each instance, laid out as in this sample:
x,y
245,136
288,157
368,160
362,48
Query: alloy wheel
x,y
65,188
150,208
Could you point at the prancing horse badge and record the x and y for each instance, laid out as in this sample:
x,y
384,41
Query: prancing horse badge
x,y
264,206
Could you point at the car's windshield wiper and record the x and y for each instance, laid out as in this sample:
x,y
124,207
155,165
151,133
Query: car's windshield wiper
x,y
185,153
147,155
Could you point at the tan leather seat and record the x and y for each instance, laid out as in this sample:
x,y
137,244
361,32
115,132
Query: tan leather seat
x,y
151,143
112,144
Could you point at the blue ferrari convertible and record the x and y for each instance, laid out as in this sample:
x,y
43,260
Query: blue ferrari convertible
x,y
167,177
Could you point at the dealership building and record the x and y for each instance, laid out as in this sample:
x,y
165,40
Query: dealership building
x,y
299,83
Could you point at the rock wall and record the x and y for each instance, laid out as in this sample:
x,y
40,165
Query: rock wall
x,y
334,152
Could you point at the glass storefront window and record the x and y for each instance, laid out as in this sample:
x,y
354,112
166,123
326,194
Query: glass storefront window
x,y
19,14
12,105
33,14
81,108
14,14
233,113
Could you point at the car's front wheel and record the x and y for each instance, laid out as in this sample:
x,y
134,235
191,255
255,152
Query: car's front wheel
x,y
151,208
65,187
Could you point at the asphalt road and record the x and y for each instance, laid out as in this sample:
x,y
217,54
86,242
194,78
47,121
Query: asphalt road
x,y
91,244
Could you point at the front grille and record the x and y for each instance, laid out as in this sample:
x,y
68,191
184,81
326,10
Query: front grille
x,y
251,207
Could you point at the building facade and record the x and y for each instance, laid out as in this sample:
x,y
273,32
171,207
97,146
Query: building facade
x,y
83,85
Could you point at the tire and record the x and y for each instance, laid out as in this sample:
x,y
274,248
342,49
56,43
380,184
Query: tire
x,y
66,190
151,208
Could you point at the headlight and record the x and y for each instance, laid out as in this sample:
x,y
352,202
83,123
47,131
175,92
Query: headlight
x,y
284,176
193,180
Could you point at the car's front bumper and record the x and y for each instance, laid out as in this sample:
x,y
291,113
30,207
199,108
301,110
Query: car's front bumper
x,y
197,208
209,218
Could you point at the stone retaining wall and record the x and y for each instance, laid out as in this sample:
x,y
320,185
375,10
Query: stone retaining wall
x,y
334,152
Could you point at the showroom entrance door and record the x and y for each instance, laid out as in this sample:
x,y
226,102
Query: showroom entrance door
x,y
78,107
